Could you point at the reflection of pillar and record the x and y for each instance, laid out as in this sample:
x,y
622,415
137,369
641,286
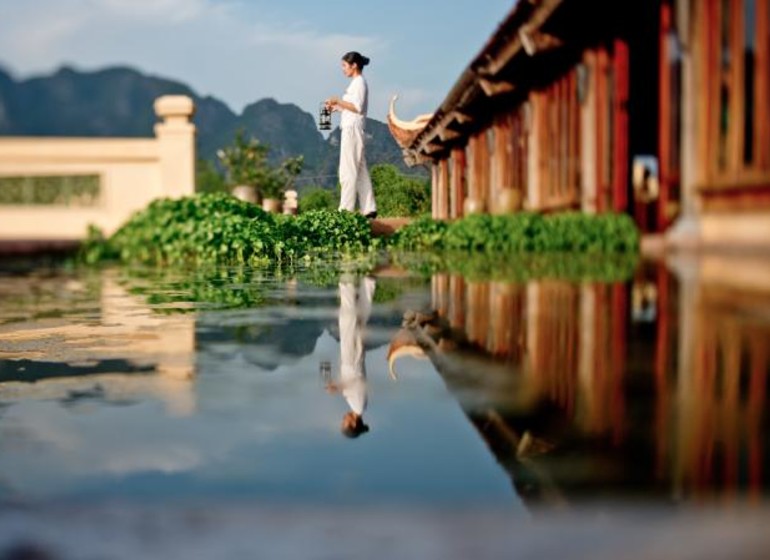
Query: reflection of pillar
x,y
588,363
505,311
686,270
478,313
662,398
166,342
758,368
456,301
440,293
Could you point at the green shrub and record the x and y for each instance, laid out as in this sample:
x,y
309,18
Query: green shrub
x,y
399,195
219,229
317,199
523,232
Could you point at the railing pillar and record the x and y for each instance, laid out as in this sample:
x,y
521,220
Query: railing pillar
x,y
176,145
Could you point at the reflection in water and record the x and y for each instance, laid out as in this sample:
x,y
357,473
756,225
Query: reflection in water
x,y
595,391
123,351
653,390
355,308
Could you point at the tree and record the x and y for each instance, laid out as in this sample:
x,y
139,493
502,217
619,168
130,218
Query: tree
x,y
397,194
246,163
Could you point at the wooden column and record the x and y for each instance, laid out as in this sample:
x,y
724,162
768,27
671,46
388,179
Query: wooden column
x,y
665,116
503,163
588,137
602,136
480,170
620,152
457,187
434,191
443,189
762,101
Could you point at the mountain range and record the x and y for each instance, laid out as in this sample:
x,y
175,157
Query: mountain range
x,y
118,101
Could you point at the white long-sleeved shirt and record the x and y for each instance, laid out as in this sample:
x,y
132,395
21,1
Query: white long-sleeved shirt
x,y
357,94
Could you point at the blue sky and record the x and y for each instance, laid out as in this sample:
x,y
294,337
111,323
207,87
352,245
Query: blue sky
x,y
240,51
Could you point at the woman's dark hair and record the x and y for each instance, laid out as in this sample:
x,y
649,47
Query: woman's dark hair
x,y
356,58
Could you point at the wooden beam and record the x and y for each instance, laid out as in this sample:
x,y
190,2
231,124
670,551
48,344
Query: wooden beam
x,y
535,41
492,88
513,46
448,134
461,118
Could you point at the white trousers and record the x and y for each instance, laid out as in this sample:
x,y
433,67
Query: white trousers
x,y
354,176
355,308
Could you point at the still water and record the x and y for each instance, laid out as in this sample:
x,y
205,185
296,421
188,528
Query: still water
x,y
237,386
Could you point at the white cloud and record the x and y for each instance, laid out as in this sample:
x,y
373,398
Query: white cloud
x,y
153,10
218,48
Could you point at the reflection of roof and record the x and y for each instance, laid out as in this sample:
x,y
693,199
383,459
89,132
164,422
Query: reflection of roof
x,y
404,343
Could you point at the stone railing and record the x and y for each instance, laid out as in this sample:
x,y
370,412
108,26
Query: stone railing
x,y
53,188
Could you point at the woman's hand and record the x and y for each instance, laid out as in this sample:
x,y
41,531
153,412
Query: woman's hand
x,y
333,103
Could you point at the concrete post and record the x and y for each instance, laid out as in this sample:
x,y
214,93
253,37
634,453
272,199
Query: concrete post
x,y
176,145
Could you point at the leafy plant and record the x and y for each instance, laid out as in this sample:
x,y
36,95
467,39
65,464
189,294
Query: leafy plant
x,y
316,199
523,232
397,194
246,163
219,229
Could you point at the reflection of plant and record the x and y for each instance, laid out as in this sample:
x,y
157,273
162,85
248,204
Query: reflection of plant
x,y
246,163
614,267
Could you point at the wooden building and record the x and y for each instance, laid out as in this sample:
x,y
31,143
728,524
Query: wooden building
x,y
657,108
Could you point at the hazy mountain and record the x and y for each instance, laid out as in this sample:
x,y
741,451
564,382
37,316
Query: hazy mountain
x,y
118,102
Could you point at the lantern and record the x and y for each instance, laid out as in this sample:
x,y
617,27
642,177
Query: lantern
x,y
324,117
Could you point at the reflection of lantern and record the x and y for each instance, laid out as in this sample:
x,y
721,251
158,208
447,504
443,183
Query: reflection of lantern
x,y
324,117
325,371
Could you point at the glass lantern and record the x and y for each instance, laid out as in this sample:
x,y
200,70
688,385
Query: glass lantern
x,y
324,117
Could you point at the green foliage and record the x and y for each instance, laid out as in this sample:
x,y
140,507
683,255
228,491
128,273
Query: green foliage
x,y
317,199
523,232
219,229
522,267
324,231
246,163
399,195
208,179
422,233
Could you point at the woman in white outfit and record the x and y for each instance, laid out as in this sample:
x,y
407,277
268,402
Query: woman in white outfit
x,y
354,176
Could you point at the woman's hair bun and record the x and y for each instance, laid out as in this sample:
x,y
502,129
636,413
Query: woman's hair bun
x,y
354,57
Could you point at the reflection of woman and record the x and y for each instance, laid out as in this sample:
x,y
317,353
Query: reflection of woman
x,y
352,382
354,176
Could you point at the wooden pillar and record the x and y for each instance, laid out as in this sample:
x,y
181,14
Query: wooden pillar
x,y
479,167
434,191
762,100
457,187
665,116
602,136
503,163
443,189
588,136
535,155
620,116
